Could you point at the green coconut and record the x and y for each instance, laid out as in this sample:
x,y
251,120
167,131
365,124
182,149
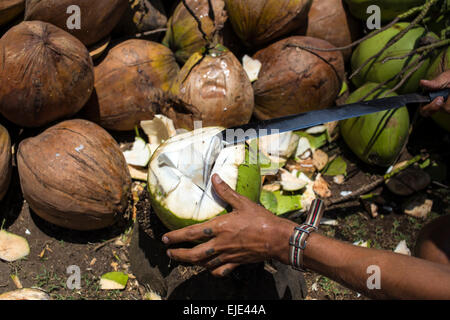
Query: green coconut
x,y
390,9
439,65
377,71
183,35
257,22
378,138
180,172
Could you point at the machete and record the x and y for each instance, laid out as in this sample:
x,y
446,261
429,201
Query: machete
x,y
305,120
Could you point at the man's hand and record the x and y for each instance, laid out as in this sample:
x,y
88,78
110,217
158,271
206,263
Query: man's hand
x,y
249,234
441,82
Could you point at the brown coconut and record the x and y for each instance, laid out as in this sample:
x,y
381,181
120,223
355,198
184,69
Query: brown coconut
x,y
214,89
47,74
74,175
294,80
257,22
5,161
98,18
328,20
9,9
130,84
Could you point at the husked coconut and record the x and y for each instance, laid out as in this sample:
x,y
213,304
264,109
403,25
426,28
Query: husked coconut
x,y
257,22
293,80
74,175
183,35
97,18
47,74
180,174
130,84
213,88
5,161
10,9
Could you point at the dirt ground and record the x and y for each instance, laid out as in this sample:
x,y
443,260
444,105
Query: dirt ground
x,y
54,249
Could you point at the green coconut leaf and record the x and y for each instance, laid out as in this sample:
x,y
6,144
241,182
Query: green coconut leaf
x,y
335,168
279,203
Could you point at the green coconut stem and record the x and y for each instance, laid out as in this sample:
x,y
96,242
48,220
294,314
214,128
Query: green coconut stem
x,y
429,47
394,40
410,71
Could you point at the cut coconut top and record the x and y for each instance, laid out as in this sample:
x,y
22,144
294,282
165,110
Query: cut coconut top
x,y
181,169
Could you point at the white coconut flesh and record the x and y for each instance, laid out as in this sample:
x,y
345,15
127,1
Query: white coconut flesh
x,y
139,155
181,169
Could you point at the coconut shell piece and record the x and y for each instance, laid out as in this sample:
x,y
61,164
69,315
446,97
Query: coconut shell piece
x,y
293,80
98,18
130,84
5,161
408,182
9,9
74,175
25,294
47,74
257,22
213,88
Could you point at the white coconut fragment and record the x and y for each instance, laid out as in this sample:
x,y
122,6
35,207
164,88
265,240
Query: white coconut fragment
x,y
339,179
290,181
329,222
272,187
25,294
317,129
252,67
361,243
346,193
114,281
158,130
281,145
303,149
12,247
138,173
140,153
402,248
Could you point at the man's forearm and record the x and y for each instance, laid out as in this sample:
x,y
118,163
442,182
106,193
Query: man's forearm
x,y
401,277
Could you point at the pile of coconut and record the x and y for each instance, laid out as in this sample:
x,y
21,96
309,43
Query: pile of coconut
x,y
77,73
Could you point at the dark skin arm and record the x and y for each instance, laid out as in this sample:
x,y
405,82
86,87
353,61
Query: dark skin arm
x,y
439,104
251,234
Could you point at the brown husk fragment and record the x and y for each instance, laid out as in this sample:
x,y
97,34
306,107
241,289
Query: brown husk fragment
x,y
9,9
213,89
98,18
74,175
47,74
5,161
142,16
257,22
130,84
294,80
183,35
328,20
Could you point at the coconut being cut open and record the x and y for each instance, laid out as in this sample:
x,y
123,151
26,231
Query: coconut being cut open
x,y
180,174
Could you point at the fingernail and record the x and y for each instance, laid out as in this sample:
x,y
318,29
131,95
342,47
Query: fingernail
x,y
169,254
165,240
440,101
217,178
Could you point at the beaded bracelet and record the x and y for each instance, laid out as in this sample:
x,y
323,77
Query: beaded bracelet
x,y
297,242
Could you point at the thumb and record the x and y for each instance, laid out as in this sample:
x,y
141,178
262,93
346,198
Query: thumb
x,y
227,194
440,82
